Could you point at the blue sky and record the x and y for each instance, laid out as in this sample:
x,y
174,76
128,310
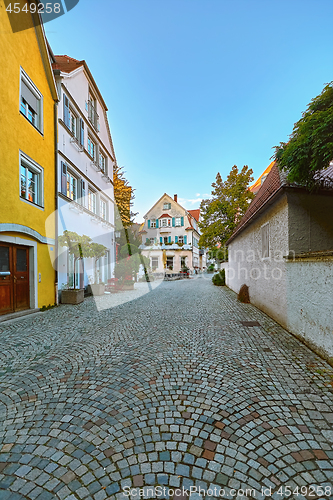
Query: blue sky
x,y
196,86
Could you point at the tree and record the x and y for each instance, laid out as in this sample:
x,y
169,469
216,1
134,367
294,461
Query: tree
x,y
221,213
78,246
124,196
310,147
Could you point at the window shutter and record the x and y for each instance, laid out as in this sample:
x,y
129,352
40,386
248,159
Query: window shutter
x,y
83,190
182,221
185,240
161,239
156,222
29,97
173,222
148,224
63,178
176,239
169,205
66,111
169,239
81,132
155,241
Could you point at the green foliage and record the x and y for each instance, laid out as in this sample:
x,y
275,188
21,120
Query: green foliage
x,y
128,250
126,268
96,252
310,147
221,213
79,246
46,308
219,278
211,268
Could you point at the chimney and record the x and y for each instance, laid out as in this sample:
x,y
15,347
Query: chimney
x,y
175,198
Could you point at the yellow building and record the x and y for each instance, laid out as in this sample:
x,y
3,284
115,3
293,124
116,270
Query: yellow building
x,y
28,98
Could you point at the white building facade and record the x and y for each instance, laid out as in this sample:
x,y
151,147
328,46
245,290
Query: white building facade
x,y
85,172
170,237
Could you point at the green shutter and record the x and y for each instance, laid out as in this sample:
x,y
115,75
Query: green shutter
x,y
169,239
176,239
173,222
182,219
169,205
185,240
156,222
161,239
148,224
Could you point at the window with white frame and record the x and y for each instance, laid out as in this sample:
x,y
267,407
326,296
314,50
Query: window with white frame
x,y
183,262
92,201
152,240
71,191
166,206
72,122
103,209
178,221
154,263
102,162
166,222
91,148
31,180
169,263
180,239
265,240
31,101
153,223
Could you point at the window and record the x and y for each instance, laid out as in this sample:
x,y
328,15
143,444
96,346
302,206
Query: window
x,y
154,263
166,206
178,221
183,262
151,240
169,263
92,201
165,239
102,162
71,191
92,111
181,239
103,209
153,223
91,148
31,101
72,122
265,241
31,180
166,222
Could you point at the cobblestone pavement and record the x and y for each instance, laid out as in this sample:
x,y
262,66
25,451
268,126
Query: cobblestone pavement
x,y
175,389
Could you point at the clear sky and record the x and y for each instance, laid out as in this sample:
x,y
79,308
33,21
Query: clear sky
x,y
196,86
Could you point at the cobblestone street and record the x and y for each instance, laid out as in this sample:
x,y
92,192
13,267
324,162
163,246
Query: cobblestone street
x,y
183,386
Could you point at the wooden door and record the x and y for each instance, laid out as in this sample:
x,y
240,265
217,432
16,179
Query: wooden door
x,y
6,279
21,278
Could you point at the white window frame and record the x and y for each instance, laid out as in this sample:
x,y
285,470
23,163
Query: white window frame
x,y
72,119
153,223
166,206
90,143
181,239
178,221
152,241
103,201
151,265
102,155
34,90
166,222
90,193
32,166
70,176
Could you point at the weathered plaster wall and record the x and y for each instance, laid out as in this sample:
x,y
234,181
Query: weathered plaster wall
x,y
265,277
310,222
310,302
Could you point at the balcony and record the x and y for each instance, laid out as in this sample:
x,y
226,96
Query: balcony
x,y
93,116
158,246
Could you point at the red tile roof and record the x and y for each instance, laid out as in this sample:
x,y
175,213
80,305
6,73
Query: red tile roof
x,y
195,213
66,64
165,215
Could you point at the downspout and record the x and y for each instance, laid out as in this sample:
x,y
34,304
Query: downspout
x,y
56,198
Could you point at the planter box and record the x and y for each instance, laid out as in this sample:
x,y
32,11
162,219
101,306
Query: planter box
x,y
72,296
97,289
129,286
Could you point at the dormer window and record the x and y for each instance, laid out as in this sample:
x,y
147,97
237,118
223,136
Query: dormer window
x,y
166,222
166,206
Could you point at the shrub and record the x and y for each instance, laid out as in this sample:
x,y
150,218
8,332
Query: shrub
x,y
219,278
243,295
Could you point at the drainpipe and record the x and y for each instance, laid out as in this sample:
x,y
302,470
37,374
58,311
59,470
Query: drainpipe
x,y
56,199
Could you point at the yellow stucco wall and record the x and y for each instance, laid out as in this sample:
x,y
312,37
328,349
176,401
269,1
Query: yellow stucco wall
x,y
17,133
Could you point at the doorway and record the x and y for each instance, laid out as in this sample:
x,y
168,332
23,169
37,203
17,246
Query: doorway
x,y
14,278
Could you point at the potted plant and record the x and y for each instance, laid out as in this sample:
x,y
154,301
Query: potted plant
x,y
96,251
79,247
